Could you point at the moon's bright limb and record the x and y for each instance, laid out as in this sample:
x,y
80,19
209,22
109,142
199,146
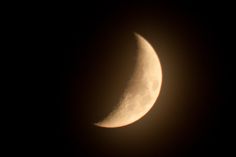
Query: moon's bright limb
x,y
142,90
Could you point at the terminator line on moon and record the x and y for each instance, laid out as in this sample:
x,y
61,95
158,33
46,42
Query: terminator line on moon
x,y
142,90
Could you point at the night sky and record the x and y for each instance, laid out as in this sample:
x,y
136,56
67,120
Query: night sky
x,y
93,54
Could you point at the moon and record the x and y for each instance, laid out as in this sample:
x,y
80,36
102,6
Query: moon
x,y
141,91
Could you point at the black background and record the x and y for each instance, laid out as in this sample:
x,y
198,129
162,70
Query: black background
x,y
91,53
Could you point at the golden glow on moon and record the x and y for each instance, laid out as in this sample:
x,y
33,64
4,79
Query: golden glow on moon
x,y
142,89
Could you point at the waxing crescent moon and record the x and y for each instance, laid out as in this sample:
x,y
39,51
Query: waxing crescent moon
x,y
141,91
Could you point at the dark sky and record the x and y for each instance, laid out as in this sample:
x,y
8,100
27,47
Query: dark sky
x,y
93,51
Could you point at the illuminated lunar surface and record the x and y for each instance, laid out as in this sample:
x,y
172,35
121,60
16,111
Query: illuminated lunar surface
x,y
141,91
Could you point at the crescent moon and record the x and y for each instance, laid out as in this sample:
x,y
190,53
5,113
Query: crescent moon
x,y
142,89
